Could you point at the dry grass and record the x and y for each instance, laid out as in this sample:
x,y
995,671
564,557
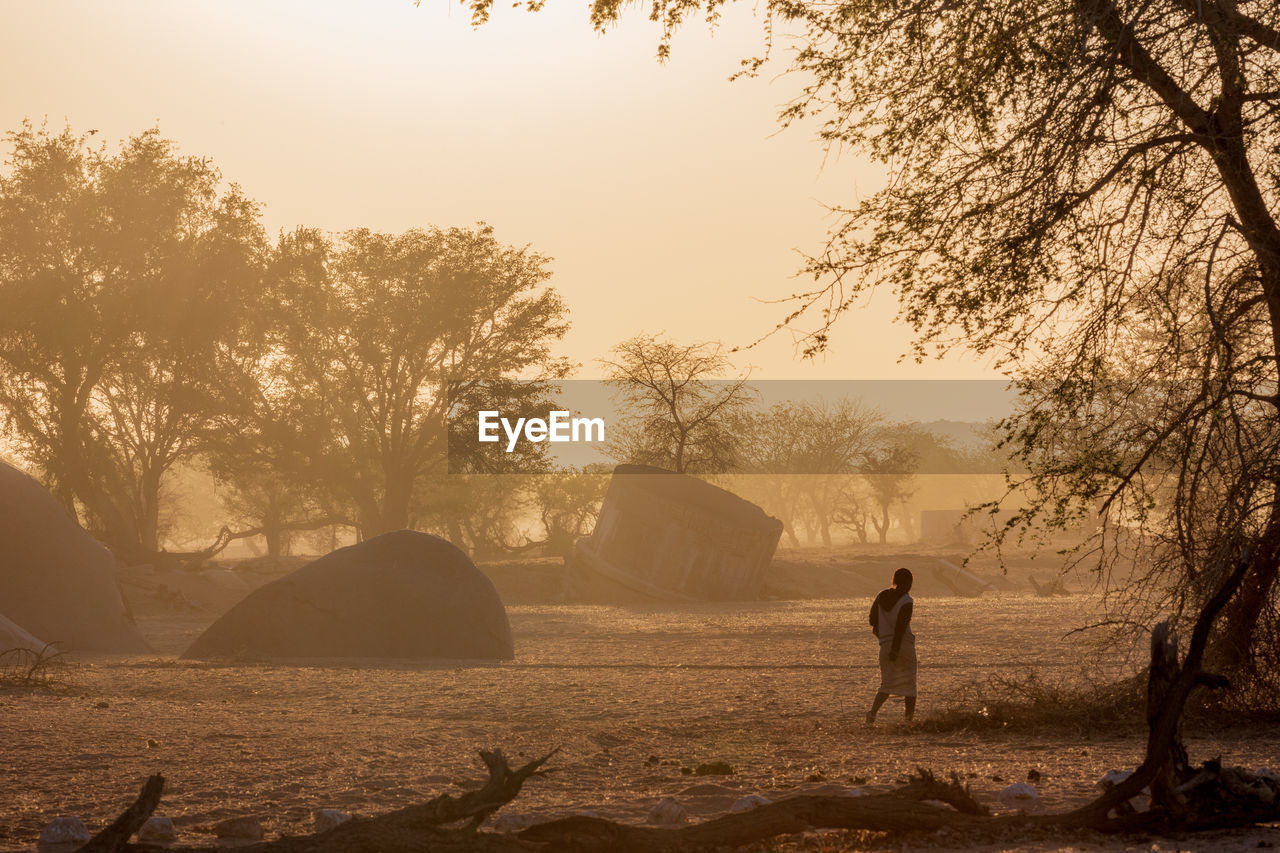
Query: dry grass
x,y
1034,703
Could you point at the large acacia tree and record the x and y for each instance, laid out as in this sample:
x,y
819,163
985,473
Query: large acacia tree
x,y
128,286
1088,190
379,347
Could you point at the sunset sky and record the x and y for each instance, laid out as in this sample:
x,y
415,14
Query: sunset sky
x,y
668,196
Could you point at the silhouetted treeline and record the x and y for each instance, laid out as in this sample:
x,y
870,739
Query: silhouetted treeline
x,y
147,322
827,470
149,327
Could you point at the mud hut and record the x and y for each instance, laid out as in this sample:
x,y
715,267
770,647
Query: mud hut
x,y
672,537
401,595
56,580
14,637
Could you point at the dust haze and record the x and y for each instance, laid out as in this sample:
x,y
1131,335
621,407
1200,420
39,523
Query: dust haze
x,y
400,400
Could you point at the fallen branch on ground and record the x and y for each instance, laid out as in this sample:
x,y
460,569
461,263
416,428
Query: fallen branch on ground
x,y
412,828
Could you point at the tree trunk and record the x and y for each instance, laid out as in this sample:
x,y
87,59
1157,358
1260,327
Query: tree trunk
x,y
274,536
456,536
1233,650
396,499
149,522
882,526
369,514
824,523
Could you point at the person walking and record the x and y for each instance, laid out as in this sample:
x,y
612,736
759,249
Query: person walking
x,y
891,623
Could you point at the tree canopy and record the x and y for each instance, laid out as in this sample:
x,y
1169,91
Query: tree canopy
x,y
146,323
379,338
128,284
681,408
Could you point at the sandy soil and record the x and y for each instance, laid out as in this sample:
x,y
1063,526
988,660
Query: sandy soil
x,y
631,696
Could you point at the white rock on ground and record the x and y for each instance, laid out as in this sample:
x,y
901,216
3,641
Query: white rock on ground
x,y
1020,795
1112,778
749,802
327,819
64,830
667,811
246,828
158,830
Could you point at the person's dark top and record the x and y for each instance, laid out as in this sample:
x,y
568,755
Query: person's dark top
x,y
887,599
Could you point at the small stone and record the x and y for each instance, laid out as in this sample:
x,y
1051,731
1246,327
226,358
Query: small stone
x,y
157,830
1033,775
246,828
64,830
713,768
749,802
667,812
152,743
102,703
651,760
327,819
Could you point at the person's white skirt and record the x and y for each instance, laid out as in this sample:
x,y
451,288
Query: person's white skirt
x,y
898,677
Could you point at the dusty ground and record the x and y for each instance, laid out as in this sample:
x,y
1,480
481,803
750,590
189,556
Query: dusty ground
x,y
631,696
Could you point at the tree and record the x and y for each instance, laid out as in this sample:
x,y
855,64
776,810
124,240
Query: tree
x,y
682,411
889,471
128,283
388,342
260,501
805,454
485,514
1060,172
568,504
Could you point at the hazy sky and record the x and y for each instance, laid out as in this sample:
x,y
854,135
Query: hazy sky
x,y
667,195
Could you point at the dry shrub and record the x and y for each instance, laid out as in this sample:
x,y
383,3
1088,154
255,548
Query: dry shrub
x,y
27,668
1032,703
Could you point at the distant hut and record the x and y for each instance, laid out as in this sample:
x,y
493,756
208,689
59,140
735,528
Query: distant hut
x,y
399,595
671,537
56,580
960,581
1054,586
15,638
